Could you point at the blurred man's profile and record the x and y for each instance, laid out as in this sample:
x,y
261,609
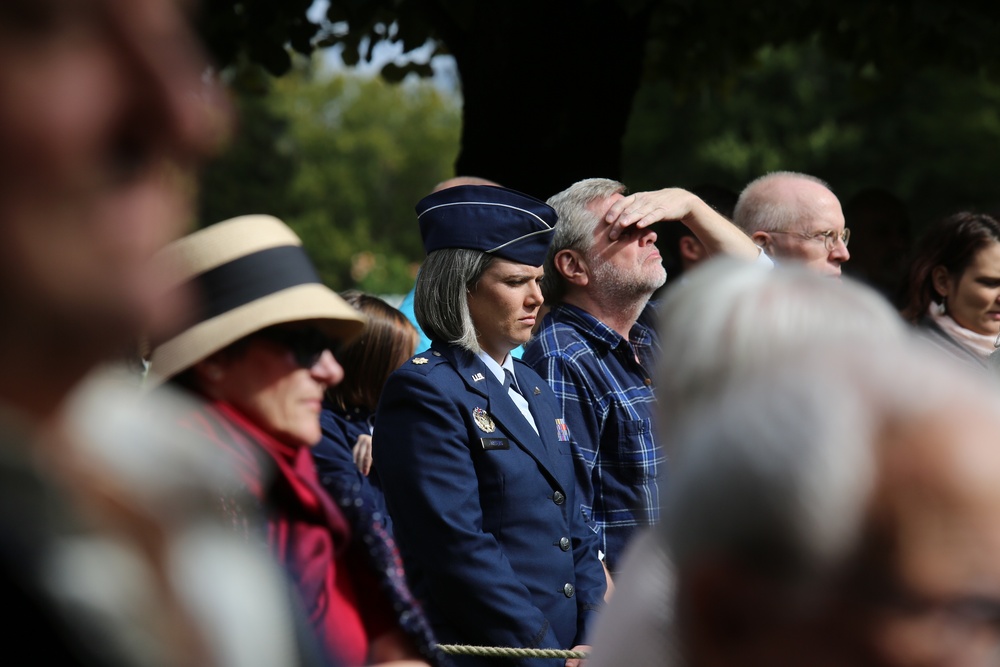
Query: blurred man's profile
x,y
107,553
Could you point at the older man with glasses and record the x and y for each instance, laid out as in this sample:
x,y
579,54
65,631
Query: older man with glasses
x,y
795,217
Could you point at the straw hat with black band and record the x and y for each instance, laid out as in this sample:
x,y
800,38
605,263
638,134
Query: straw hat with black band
x,y
247,274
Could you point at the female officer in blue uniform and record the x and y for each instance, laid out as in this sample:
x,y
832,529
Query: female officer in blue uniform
x,y
471,446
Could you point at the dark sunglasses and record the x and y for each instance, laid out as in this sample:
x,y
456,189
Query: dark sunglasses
x,y
307,344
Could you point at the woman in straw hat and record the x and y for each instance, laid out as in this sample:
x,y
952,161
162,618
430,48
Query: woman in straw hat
x,y
470,446
258,354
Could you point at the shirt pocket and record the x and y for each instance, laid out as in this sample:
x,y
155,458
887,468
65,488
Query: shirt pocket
x,y
636,451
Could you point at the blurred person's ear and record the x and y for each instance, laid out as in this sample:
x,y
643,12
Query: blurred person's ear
x,y
573,267
763,239
691,249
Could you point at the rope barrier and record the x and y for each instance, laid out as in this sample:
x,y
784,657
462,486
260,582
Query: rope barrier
x,y
507,652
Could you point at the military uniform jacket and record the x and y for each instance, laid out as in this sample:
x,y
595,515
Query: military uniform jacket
x,y
484,509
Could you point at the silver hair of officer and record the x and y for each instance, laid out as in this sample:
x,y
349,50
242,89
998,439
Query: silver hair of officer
x,y
440,300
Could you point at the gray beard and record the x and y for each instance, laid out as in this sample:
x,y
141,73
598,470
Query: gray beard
x,y
627,290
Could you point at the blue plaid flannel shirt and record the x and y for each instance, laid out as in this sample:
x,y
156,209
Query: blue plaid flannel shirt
x,y
607,400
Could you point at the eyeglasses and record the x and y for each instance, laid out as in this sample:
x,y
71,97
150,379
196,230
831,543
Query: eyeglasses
x,y
307,344
829,237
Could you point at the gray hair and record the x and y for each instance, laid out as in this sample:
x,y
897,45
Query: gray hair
x,y
758,210
776,480
574,229
731,318
440,300
780,480
786,468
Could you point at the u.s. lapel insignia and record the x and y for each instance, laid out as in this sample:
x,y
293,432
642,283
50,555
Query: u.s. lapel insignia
x,y
562,430
537,391
419,360
483,420
478,377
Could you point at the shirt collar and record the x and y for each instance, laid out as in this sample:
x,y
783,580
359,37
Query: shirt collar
x,y
591,327
495,368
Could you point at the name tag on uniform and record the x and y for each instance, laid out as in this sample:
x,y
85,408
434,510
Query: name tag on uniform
x,y
490,444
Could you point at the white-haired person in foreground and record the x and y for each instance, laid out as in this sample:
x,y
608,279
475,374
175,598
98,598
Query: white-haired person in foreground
x,y
735,318
844,510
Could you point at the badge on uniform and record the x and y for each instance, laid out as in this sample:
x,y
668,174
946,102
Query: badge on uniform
x,y
419,360
562,430
483,420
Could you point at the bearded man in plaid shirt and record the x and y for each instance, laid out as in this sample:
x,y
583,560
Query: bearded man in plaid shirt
x,y
596,347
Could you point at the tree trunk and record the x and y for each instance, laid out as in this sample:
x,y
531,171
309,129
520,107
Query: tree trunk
x,y
546,107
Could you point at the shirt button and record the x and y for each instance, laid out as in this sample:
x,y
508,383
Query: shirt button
x,y
568,590
564,543
648,382
558,498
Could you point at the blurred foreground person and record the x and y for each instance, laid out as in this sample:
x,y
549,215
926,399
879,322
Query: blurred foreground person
x,y
257,357
470,444
954,286
105,111
850,515
846,515
343,456
757,318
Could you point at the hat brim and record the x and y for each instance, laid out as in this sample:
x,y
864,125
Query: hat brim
x,y
314,302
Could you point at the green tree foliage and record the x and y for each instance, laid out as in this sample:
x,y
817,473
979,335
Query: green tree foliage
x,y
929,138
342,160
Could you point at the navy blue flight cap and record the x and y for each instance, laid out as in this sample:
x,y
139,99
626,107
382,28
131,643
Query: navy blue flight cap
x,y
496,220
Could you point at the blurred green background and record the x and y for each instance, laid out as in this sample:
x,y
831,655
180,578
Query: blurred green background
x,y
343,155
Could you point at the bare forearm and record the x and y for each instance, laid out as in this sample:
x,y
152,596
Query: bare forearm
x,y
718,235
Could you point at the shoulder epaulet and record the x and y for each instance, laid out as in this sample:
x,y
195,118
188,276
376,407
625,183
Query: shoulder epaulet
x,y
424,361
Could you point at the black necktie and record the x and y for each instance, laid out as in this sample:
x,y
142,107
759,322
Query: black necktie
x,y
510,383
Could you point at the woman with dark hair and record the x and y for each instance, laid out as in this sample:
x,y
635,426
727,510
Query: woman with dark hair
x,y
954,286
257,358
343,456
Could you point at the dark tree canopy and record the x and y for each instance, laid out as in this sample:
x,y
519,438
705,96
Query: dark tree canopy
x,y
548,86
